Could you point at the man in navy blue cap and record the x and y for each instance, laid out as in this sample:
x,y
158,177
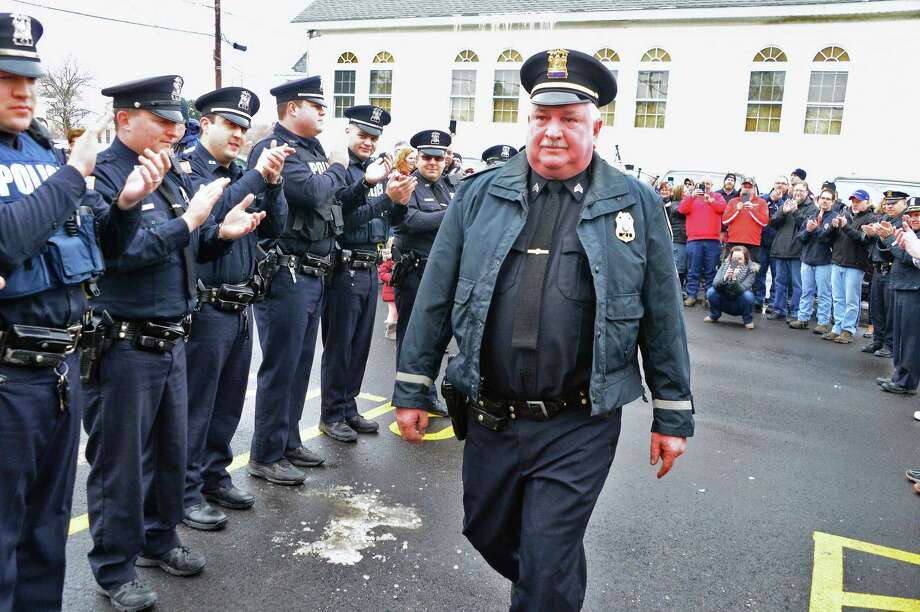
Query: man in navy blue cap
x,y
351,300
498,154
288,319
551,271
227,286
51,224
137,408
416,228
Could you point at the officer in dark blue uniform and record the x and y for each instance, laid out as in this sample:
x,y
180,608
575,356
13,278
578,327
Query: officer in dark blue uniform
x,y
289,318
220,345
416,228
351,300
905,284
49,227
881,294
137,410
498,154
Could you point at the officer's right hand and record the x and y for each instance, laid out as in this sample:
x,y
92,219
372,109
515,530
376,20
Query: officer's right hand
x,y
400,187
271,161
2,283
144,179
339,156
83,154
200,206
412,423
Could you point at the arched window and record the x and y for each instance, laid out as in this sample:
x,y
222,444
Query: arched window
x,y
770,54
608,56
656,54
466,56
832,54
381,82
384,57
510,55
506,89
347,58
343,88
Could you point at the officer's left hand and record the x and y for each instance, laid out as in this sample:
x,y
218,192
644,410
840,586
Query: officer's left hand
x,y
378,170
412,423
237,223
83,154
667,449
907,240
2,283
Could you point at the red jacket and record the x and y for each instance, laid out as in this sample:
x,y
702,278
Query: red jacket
x,y
384,272
704,220
745,225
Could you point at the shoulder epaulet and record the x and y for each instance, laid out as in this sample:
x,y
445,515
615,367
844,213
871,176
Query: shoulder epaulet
x,y
481,172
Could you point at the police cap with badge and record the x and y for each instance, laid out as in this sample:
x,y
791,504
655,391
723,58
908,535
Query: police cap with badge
x,y
564,76
18,36
433,143
893,196
161,95
913,205
310,88
368,118
235,104
498,154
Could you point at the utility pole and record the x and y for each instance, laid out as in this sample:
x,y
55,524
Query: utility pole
x,y
217,37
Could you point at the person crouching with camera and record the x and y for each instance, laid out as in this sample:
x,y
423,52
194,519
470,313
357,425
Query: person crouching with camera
x,y
731,290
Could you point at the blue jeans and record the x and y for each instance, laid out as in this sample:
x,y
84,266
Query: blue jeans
x,y
760,283
846,284
816,279
742,305
679,251
702,260
786,298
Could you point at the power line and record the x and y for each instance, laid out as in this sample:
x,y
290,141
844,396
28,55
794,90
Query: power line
x,y
136,23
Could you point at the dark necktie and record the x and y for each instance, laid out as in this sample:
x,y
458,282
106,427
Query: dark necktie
x,y
526,327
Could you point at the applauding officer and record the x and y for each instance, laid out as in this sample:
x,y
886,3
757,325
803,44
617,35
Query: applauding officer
x,y
289,317
220,346
351,302
48,252
137,411
551,270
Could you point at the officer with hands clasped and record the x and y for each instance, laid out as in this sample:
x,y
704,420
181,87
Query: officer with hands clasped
x,y
220,345
137,404
551,271
351,300
50,227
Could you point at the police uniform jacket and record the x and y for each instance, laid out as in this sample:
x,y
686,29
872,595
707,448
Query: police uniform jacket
x,y
366,210
423,215
879,252
637,297
155,277
239,264
904,276
310,185
38,195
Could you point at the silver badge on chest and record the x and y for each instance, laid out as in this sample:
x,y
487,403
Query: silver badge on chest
x,y
625,227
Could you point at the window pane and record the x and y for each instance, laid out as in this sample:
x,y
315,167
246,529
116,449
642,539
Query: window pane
x,y
384,103
504,110
344,82
462,109
381,82
463,83
653,85
507,83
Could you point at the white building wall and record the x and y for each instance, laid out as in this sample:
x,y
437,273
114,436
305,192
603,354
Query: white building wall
x,y
707,97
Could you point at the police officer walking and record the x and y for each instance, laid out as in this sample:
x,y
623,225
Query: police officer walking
x,y
220,345
137,408
570,272
288,319
416,231
48,253
351,300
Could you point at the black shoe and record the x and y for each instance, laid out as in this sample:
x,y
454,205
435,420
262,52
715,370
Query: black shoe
x,y
180,561
768,309
890,387
230,497
204,517
437,409
280,472
130,597
303,457
882,381
883,352
339,431
871,348
362,425
773,316
912,475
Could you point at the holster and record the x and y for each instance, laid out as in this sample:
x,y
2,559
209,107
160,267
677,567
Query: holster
x,y
31,345
457,408
93,343
401,268
266,269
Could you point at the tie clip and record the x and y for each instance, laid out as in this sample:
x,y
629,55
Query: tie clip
x,y
537,252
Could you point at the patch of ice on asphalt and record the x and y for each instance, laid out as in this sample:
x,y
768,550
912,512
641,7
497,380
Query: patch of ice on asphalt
x,y
351,530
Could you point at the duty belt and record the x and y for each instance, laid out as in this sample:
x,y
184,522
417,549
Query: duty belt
x,y
31,345
155,336
227,298
357,260
494,413
308,265
881,268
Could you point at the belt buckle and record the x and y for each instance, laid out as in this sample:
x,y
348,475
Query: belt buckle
x,y
533,406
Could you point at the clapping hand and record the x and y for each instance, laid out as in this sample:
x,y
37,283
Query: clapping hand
x,y
271,161
200,206
811,225
237,223
885,229
83,154
400,188
379,170
145,178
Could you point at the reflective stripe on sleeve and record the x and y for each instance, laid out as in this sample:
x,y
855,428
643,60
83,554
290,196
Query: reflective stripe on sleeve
x,y
672,404
417,379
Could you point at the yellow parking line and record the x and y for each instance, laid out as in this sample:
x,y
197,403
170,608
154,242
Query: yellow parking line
x,y
81,523
372,398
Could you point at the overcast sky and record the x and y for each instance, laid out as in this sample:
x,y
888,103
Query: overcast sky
x,y
116,52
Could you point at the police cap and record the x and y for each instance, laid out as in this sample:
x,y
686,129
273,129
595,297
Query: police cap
x,y
431,142
913,205
498,154
370,119
310,88
235,104
161,95
18,36
564,76
894,196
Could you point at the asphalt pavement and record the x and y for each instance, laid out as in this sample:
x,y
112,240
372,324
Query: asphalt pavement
x,y
791,497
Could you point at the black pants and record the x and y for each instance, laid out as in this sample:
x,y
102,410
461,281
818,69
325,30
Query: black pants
x,y
906,306
881,312
528,493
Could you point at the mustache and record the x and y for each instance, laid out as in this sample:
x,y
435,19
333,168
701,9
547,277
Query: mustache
x,y
553,143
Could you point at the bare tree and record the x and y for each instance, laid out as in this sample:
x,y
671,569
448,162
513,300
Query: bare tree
x,y
62,88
